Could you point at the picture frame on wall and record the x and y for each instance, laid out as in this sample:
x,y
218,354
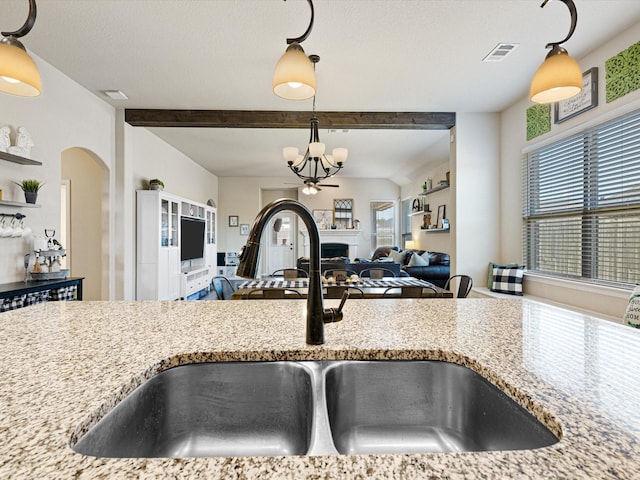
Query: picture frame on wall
x,y
233,220
585,100
244,229
441,215
324,218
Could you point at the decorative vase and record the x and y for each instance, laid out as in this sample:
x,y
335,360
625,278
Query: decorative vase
x,y
30,197
155,186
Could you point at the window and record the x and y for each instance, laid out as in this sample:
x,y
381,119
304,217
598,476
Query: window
x,y
383,221
406,220
582,205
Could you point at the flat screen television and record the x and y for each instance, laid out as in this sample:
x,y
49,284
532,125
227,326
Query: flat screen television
x,y
191,238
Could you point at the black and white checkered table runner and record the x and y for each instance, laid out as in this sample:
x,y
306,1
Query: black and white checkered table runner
x,y
362,282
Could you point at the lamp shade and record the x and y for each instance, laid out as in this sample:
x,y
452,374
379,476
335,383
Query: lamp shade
x,y
290,154
409,245
340,154
558,78
294,78
18,72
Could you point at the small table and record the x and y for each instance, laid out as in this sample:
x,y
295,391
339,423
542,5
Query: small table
x,y
371,288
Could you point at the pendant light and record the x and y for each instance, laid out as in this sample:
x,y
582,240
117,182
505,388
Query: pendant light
x,y
560,76
18,72
294,77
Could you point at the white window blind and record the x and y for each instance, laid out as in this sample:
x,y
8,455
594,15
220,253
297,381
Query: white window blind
x,y
582,205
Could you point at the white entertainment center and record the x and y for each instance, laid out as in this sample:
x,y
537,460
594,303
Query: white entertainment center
x,y
176,246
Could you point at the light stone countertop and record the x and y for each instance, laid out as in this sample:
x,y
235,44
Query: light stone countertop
x,y
65,362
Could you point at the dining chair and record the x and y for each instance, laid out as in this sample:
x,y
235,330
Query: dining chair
x,y
465,282
376,273
335,291
290,273
271,293
223,287
410,292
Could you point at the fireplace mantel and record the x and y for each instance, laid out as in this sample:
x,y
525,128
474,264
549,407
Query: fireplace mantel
x,y
348,236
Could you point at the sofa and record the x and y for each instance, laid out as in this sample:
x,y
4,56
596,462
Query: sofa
x,y
431,266
344,263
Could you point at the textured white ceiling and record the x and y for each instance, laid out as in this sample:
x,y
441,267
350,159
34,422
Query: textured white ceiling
x,y
376,55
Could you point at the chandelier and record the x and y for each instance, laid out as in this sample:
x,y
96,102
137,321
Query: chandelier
x,y
314,166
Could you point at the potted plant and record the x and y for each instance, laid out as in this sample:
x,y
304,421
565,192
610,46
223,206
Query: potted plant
x,y
30,189
156,184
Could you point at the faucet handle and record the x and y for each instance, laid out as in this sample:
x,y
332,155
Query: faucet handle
x,y
332,315
345,296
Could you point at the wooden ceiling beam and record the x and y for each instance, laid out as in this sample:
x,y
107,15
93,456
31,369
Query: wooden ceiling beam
x,y
289,119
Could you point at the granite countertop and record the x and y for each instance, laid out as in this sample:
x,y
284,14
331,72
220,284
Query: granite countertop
x,y
66,362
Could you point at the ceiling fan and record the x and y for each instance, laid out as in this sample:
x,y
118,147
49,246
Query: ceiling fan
x,y
312,186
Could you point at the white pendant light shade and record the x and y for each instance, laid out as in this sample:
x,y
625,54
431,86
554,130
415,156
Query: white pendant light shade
x,y
18,72
558,78
290,154
294,78
299,161
316,149
328,161
340,154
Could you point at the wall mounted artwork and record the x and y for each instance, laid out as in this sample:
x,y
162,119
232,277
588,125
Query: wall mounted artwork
x,y
623,73
538,120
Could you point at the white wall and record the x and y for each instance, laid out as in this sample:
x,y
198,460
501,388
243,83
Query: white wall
x,y
435,169
145,156
241,196
475,180
64,116
513,130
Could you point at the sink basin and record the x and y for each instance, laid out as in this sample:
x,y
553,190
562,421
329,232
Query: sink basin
x,y
313,408
210,409
424,406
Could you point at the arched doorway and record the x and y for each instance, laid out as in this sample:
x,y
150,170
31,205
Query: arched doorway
x,y
85,216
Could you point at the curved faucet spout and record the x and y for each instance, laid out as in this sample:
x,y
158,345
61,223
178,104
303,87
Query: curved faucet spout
x,y
317,316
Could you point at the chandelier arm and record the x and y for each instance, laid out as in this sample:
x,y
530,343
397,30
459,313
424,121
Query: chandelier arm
x,y
28,25
574,20
304,36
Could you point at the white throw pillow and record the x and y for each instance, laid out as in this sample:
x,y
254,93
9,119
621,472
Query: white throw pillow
x,y
397,257
417,261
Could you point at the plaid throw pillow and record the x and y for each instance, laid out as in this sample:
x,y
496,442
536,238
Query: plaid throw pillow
x,y
508,280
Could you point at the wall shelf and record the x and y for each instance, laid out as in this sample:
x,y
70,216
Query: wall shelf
x,y
421,212
9,157
435,189
8,203
434,230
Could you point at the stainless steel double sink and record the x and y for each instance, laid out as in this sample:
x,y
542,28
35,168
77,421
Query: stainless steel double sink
x,y
313,408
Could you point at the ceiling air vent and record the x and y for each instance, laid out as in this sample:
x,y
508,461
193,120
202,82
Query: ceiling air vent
x,y
500,52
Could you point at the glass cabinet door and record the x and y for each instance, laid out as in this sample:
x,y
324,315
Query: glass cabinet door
x,y
175,218
164,223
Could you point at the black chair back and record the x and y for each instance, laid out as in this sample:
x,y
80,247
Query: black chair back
x,y
465,282
223,287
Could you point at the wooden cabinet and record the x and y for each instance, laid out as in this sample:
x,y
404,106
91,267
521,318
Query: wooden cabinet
x,y
158,246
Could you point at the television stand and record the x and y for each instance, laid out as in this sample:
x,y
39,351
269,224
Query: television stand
x,y
194,281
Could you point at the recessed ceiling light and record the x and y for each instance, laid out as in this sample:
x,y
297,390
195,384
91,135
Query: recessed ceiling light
x,y
500,52
115,95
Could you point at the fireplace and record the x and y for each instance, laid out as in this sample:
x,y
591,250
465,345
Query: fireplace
x,y
332,250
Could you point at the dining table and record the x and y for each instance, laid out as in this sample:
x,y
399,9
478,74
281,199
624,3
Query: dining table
x,y
370,288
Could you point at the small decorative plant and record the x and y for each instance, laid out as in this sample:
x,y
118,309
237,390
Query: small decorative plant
x,y
30,189
30,185
156,184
